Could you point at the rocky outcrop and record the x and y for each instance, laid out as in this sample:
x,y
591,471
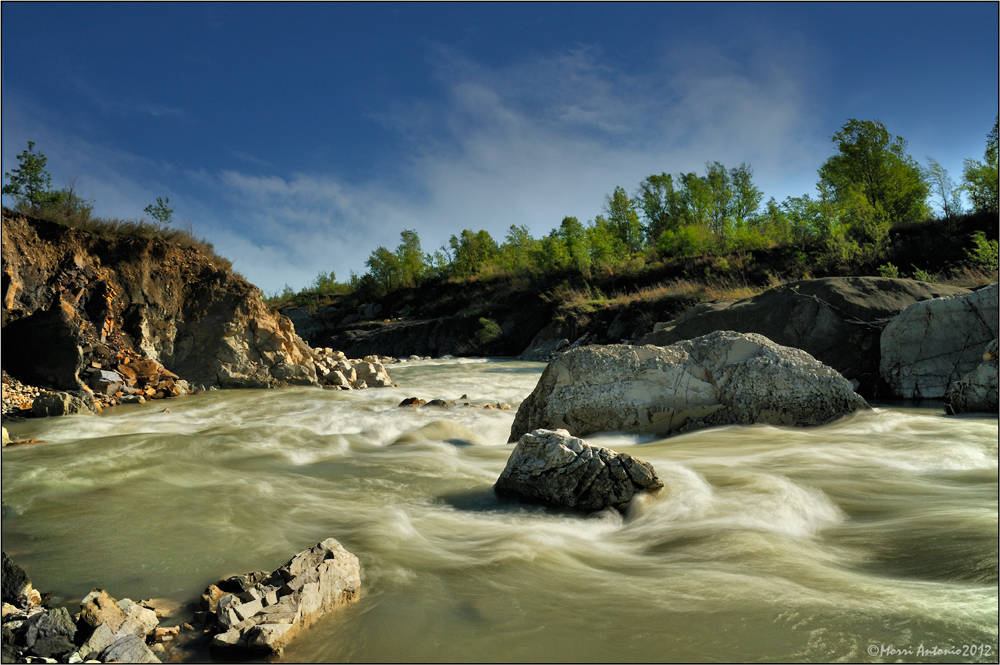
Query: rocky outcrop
x,y
553,467
837,320
718,379
63,404
934,343
977,391
106,630
273,608
73,300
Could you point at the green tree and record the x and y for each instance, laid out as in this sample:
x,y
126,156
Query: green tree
x,y
473,250
980,179
873,164
383,266
624,219
944,188
30,182
160,211
746,197
411,260
574,235
518,253
661,205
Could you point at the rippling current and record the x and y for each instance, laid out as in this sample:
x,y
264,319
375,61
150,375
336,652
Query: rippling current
x,y
856,541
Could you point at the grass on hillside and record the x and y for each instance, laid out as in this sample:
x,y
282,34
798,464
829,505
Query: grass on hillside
x,y
81,217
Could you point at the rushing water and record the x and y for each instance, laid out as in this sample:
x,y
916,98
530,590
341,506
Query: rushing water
x,y
874,532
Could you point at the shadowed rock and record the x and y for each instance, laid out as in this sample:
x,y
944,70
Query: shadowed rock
x,y
555,468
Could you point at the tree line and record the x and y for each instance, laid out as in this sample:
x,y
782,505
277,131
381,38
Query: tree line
x,y
868,186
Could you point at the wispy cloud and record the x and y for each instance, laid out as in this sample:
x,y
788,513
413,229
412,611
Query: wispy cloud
x,y
525,143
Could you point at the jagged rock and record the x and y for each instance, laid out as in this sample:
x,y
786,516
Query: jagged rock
x,y
106,381
718,379
270,613
837,320
99,640
978,390
129,649
934,343
50,634
98,608
62,404
15,582
551,466
178,306
139,620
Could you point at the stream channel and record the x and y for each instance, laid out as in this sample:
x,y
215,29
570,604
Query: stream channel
x,y
874,533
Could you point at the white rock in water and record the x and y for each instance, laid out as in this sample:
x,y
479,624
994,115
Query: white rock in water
x,y
718,379
312,583
934,343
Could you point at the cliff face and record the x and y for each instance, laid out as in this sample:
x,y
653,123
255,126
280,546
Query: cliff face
x,y
72,300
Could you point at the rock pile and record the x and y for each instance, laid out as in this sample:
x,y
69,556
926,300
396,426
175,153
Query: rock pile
x,y
335,370
556,468
719,379
17,397
263,611
106,630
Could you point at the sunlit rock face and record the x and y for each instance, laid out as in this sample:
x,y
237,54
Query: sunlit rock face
x,y
719,379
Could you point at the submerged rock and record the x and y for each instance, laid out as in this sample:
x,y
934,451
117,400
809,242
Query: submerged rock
x,y
268,614
556,468
934,343
719,379
978,390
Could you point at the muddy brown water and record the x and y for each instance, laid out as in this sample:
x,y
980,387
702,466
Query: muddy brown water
x,y
856,541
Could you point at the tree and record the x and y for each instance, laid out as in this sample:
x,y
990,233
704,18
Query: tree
x,y
874,164
30,182
661,206
980,180
383,266
411,260
573,234
624,219
944,188
160,212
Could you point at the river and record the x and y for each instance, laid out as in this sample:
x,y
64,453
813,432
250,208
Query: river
x,y
876,534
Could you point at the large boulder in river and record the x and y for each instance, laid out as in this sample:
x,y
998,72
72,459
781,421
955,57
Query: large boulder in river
x,y
718,379
978,390
835,319
551,466
932,344
269,613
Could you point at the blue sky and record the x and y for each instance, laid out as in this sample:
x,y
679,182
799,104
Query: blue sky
x,y
298,137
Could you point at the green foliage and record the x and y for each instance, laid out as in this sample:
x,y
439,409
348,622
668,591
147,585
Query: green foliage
x,y
923,275
160,211
980,180
624,220
874,178
985,253
888,270
489,332
30,182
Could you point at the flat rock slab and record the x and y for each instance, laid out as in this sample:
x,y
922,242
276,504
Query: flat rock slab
x,y
269,613
553,467
722,378
934,343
